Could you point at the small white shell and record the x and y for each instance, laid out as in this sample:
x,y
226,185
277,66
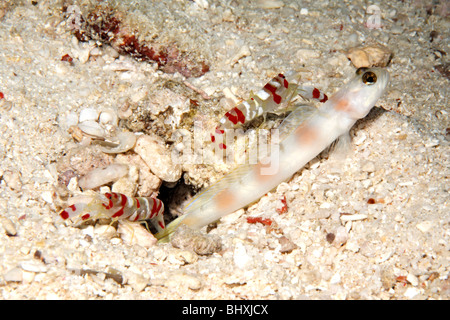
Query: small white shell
x,y
92,128
88,114
108,117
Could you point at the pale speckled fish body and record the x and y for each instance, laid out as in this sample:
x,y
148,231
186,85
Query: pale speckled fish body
x,y
307,132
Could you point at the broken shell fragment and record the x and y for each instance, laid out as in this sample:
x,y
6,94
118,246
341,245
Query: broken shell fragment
x,y
186,238
102,176
123,142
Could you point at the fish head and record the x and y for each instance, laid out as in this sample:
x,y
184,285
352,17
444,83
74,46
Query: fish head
x,y
361,93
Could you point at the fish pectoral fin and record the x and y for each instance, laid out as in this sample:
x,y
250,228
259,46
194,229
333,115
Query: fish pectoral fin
x,y
341,147
300,113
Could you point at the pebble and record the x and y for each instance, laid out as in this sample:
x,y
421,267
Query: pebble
x,y
269,4
71,119
188,256
111,52
353,217
411,292
335,279
5,105
8,226
47,196
424,226
12,179
134,233
202,3
397,30
125,185
368,166
104,230
157,157
33,266
102,176
341,237
124,141
352,39
307,54
375,55
178,280
181,257
83,55
14,275
135,280
116,241
148,182
244,51
189,239
412,279
28,276
240,256
286,245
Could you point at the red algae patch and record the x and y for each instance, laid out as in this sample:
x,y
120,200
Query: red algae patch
x,y
109,25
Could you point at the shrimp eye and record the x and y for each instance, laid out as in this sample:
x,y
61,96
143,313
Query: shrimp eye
x,y
361,70
369,78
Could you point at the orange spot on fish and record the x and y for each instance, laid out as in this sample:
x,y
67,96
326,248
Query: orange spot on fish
x,y
306,134
342,105
224,199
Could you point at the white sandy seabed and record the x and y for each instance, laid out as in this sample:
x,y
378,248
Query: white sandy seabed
x,y
372,226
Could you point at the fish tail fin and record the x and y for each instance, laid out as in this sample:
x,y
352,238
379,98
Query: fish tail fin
x,y
164,235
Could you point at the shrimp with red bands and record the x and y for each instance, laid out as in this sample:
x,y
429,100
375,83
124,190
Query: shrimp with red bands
x,y
118,206
274,96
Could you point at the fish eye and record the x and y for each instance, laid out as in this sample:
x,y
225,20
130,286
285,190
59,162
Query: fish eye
x,y
369,78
